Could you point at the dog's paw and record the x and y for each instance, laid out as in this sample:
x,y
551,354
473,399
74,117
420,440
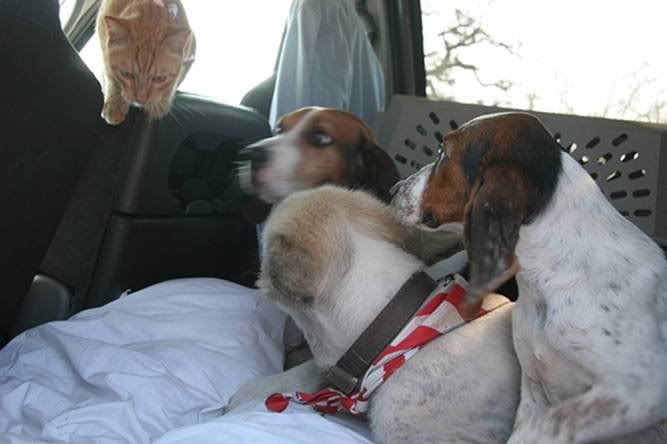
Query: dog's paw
x,y
114,112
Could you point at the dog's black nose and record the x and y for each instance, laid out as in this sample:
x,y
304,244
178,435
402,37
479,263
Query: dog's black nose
x,y
257,155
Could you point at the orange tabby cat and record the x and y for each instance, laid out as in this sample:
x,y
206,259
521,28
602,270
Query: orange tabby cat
x,y
148,47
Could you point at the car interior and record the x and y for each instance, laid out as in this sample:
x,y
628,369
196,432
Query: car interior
x,y
92,211
121,208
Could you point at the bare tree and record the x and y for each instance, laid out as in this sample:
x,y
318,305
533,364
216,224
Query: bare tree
x,y
634,104
466,33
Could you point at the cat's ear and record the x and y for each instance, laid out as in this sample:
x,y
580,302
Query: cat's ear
x,y
117,29
176,39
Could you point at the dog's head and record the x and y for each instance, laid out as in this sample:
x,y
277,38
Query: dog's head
x,y
493,174
315,146
333,258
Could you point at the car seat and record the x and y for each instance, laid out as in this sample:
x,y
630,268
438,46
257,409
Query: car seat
x,y
49,112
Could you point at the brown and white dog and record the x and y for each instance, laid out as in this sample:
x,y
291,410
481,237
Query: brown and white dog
x,y
333,260
590,325
315,146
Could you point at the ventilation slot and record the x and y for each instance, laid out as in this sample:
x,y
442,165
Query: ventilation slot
x,y
618,195
641,193
410,144
400,159
453,125
421,130
627,157
642,213
438,136
572,148
594,176
434,118
593,142
604,159
613,176
557,137
428,151
637,174
584,160
619,140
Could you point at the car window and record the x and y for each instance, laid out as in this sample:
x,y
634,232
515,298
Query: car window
x,y
600,59
237,46
66,9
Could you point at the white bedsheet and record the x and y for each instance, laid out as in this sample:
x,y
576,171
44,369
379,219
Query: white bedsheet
x,y
252,423
164,357
158,364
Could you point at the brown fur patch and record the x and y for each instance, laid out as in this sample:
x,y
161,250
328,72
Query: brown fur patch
x,y
447,191
352,159
496,173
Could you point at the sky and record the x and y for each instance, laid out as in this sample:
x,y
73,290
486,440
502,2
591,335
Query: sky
x,y
573,56
579,56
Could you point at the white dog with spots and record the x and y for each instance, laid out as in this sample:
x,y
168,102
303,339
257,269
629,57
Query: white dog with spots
x,y
590,324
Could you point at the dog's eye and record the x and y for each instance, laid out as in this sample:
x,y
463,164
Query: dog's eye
x,y
442,153
430,220
320,139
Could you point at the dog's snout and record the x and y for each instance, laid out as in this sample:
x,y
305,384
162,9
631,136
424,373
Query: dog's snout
x,y
430,220
395,188
256,154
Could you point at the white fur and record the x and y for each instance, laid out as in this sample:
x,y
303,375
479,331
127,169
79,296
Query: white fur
x,y
408,195
462,387
590,326
278,178
351,310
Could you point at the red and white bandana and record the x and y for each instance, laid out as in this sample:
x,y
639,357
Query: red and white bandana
x,y
439,315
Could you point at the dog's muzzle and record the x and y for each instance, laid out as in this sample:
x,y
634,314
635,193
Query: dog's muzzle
x,y
406,195
251,160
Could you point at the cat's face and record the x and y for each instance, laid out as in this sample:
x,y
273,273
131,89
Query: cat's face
x,y
146,63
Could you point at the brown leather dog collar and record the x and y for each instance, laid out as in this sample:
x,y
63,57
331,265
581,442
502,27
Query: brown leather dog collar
x,y
352,366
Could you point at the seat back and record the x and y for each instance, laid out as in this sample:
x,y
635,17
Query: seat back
x,y
49,113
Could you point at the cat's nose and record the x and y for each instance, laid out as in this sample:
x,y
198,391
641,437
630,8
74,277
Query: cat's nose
x,y
141,97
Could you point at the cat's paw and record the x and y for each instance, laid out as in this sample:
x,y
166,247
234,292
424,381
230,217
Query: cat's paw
x,y
114,112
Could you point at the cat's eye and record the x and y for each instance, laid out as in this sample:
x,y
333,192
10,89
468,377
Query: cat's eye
x,y
159,79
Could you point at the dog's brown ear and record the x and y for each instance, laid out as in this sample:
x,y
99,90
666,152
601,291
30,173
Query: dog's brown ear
x,y
497,208
289,272
380,172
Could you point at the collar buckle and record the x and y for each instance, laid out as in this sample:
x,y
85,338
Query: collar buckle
x,y
345,382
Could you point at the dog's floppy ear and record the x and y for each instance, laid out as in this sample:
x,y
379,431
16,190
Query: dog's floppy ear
x,y
288,272
380,173
497,208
